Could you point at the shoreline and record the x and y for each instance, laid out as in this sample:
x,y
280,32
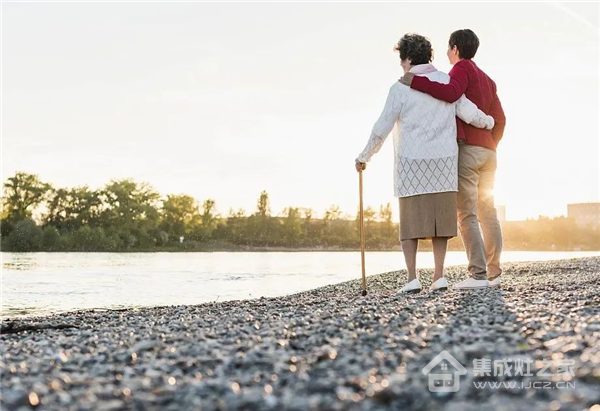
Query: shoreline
x,y
292,250
326,348
34,315
217,247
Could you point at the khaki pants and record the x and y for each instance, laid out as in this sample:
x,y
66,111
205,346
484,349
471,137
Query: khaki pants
x,y
476,172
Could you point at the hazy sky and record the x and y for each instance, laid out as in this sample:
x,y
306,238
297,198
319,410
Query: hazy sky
x,y
224,100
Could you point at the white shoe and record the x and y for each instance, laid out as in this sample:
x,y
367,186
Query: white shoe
x,y
412,287
495,282
440,284
471,283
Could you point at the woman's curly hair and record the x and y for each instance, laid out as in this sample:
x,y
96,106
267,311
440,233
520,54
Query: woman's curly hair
x,y
416,48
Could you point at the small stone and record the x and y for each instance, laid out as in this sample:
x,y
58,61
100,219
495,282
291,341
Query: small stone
x,y
144,346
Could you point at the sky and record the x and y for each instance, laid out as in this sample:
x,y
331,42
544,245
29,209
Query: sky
x,y
224,100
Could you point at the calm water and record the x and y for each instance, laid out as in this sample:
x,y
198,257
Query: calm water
x,y
43,283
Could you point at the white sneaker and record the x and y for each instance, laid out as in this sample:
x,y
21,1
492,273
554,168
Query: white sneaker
x,y
495,282
412,287
440,284
471,283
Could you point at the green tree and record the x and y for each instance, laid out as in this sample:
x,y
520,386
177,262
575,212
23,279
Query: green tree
x,y
26,236
6,225
71,209
209,216
263,208
291,227
180,215
369,215
21,194
51,239
333,213
371,234
261,228
130,211
91,239
385,213
311,228
233,229
337,231
208,219
388,232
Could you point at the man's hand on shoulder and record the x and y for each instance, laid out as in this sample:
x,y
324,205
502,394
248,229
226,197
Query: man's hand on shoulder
x,y
407,79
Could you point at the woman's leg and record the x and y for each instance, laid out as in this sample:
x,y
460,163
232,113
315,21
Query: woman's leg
x,y
409,249
440,244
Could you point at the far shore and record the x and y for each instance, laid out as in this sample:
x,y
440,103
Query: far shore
x,y
229,247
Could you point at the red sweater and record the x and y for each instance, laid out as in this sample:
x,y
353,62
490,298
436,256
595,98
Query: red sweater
x,y
467,78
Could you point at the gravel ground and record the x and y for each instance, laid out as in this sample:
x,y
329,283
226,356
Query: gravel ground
x,y
325,349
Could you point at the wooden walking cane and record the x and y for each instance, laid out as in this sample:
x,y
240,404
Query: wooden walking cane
x,y
362,233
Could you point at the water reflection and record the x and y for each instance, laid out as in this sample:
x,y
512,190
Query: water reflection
x,y
26,263
43,283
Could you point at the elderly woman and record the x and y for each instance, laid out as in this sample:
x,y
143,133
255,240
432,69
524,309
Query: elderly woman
x,y
426,157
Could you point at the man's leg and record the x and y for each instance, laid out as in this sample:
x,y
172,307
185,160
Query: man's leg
x,y
488,216
468,181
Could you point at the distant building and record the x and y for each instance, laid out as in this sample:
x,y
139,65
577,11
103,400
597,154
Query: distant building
x,y
501,212
585,214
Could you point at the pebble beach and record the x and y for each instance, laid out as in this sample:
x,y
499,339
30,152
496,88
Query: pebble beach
x,y
324,349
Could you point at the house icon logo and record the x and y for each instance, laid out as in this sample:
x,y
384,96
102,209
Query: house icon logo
x,y
441,378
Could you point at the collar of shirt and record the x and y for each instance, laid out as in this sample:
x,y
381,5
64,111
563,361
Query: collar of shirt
x,y
422,69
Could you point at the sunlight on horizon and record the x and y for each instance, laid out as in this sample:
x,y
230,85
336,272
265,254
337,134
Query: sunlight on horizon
x,y
223,101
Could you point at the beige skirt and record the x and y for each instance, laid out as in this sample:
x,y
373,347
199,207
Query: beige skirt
x,y
428,215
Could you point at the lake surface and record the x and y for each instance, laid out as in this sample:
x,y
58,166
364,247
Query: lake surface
x,y
44,283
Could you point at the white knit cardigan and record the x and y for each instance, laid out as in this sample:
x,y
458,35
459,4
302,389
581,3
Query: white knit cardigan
x,y
425,147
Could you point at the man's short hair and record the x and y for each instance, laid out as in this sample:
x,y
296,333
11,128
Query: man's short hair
x,y
416,48
466,42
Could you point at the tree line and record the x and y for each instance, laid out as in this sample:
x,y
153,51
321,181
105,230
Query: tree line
x,y
126,215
